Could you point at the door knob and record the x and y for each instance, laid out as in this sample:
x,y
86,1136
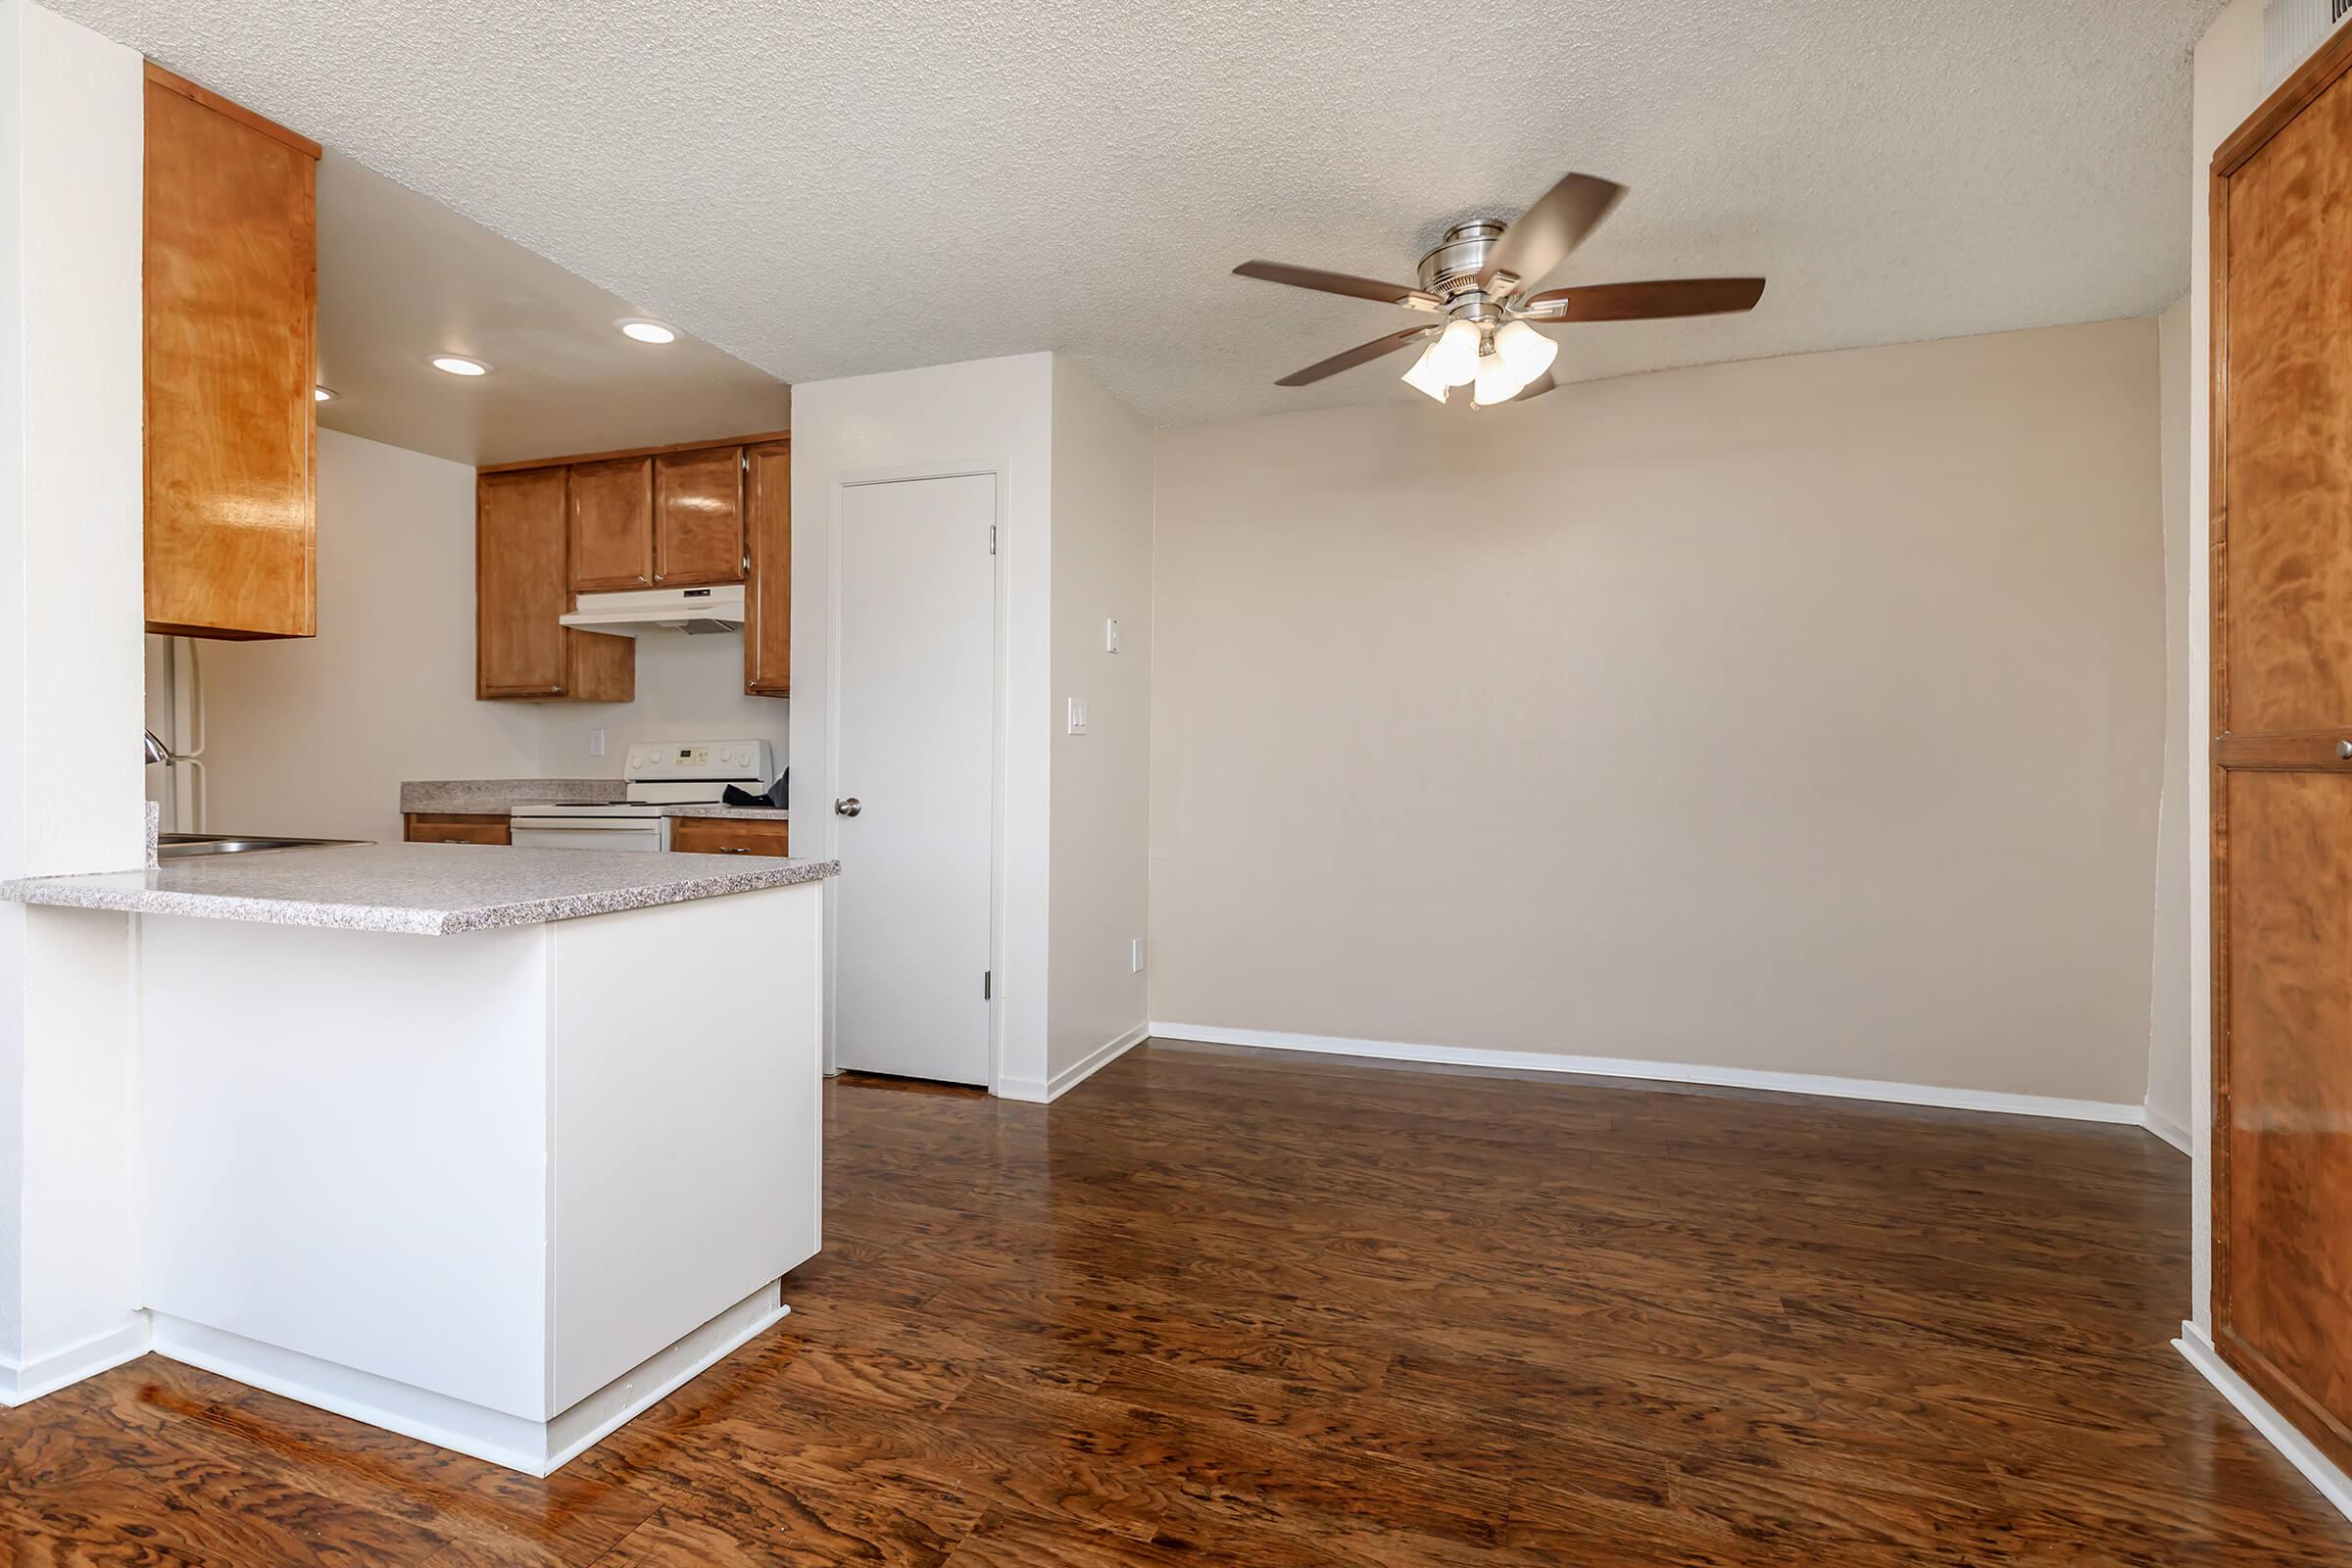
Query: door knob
x,y
847,806
2343,751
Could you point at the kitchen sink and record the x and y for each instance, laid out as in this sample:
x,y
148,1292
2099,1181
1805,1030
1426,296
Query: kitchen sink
x,y
187,845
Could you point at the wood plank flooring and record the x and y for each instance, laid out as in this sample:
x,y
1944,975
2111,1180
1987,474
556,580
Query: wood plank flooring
x,y
1238,1308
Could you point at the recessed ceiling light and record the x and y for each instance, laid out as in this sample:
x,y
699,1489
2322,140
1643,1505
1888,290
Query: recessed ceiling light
x,y
645,331
458,365
319,394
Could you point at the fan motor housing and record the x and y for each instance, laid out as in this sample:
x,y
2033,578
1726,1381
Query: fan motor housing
x,y
1452,268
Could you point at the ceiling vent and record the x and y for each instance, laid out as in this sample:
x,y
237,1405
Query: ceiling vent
x,y
2292,29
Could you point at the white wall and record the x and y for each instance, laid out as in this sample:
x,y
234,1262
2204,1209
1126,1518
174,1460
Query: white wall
x,y
2228,78
688,688
992,415
2168,1103
1800,715
1102,779
314,735
70,672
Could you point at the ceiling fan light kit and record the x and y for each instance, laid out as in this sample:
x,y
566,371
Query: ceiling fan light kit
x,y
1478,277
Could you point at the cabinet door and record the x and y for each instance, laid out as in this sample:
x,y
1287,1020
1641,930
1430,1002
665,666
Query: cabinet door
x,y
729,835
449,827
230,313
768,588
698,518
519,584
611,525
2282,749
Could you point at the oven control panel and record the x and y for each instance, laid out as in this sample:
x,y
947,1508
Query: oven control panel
x,y
732,760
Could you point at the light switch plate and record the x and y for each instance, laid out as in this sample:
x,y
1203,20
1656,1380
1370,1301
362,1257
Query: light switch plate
x,y
1135,956
596,743
1110,635
1077,716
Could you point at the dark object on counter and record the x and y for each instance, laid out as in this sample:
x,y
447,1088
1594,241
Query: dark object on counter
x,y
775,795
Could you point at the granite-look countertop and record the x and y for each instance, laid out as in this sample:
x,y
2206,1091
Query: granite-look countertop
x,y
417,889
496,797
734,813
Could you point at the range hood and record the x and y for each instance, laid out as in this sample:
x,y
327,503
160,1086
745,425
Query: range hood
x,y
690,610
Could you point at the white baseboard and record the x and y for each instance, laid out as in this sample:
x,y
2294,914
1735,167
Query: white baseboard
x,y
2301,1452
534,1448
1673,1072
1070,1077
2164,1127
128,1342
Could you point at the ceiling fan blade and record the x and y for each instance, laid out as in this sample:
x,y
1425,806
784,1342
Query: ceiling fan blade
x,y
1362,288
1548,232
1361,354
1645,302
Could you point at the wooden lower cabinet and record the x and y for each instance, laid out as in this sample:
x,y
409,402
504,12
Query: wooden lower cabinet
x,y
453,827
728,835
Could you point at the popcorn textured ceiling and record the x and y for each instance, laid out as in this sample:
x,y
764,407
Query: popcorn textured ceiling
x,y
826,190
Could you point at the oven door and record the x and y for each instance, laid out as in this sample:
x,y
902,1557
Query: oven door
x,y
647,833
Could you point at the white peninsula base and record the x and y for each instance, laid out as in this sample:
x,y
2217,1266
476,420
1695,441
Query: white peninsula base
x,y
498,1190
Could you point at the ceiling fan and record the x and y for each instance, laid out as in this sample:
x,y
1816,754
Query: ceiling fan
x,y
1477,279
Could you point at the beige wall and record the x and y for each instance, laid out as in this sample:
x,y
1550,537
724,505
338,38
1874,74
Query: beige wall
x,y
1101,570
1802,715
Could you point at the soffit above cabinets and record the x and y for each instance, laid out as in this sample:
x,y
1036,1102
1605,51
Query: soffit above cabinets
x,y
402,278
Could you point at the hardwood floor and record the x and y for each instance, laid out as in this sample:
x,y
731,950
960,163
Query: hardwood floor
x,y
1217,1307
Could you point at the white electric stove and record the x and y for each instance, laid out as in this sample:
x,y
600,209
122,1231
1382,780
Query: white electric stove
x,y
660,778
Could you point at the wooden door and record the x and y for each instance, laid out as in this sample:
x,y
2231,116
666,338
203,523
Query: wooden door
x,y
612,526
519,579
232,278
698,518
2282,750
768,588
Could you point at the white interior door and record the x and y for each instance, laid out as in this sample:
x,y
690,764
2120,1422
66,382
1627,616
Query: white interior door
x,y
916,638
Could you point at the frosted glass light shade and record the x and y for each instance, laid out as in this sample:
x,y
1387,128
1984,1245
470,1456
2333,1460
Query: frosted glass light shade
x,y
1528,352
1453,357
1424,377
1495,383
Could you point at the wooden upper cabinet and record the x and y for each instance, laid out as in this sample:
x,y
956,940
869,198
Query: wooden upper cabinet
x,y
231,324
612,526
523,589
698,518
768,588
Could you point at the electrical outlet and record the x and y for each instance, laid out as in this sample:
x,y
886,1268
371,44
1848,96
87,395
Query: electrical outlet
x,y
1135,956
1110,635
596,743
1077,716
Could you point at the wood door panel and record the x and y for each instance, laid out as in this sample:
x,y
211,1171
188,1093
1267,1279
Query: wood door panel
x,y
231,320
2287,475
611,526
2281,517
768,595
2288,1100
698,518
519,579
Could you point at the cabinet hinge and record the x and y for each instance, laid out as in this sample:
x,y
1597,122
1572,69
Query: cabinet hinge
x,y
992,538
988,980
